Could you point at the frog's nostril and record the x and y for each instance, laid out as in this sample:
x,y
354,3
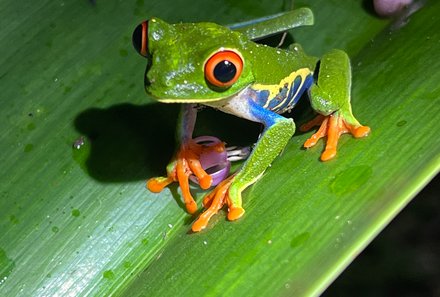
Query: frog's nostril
x,y
140,39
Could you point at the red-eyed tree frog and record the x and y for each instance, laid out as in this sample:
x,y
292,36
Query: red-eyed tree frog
x,y
222,67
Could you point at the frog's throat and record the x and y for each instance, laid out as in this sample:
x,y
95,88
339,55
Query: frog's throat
x,y
236,104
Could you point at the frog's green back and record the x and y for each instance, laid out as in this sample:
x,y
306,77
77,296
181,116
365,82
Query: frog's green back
x,y
270,65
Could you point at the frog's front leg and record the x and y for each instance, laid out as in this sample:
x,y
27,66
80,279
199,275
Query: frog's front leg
x,y
187,160
278,130
330,97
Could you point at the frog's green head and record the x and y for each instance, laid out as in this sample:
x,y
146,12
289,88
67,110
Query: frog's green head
x,y
190,62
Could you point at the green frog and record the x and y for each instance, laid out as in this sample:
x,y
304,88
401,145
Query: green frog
x,y
223,67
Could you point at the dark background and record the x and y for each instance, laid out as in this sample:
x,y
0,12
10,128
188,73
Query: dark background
x,y
404,260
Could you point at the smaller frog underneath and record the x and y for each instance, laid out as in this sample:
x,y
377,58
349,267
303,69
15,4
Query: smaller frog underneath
x,y
222,67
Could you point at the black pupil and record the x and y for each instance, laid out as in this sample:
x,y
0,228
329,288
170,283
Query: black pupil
x,y
225,71
137,38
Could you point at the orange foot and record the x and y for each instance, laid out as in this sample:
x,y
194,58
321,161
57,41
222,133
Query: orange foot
x,y
332,126
187,162
215,201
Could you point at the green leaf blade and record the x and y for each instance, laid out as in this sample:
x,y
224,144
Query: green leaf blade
x,y
80,222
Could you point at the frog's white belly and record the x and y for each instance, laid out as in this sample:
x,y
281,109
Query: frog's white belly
x,y
237,104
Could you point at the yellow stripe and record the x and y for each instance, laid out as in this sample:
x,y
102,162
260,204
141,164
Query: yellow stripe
x,y
275,89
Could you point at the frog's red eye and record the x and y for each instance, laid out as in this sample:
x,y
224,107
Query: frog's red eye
x,y
140,38
223,68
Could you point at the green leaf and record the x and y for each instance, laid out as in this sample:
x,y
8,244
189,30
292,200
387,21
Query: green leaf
x,y
80,222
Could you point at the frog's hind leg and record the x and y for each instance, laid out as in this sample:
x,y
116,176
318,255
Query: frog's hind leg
x,y
330,97
278,130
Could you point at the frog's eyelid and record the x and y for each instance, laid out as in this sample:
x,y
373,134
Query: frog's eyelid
x,y
140,38
144,42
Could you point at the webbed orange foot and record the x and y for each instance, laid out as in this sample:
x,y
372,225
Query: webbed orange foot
x,y
332,126
215,201
187,163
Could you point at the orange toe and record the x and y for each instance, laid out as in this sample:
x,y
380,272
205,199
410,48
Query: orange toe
x,y
311,142
361,131
235,213
332,127
157,184
203,220
199,225
191,207
312,123
328,154
213,202
205,181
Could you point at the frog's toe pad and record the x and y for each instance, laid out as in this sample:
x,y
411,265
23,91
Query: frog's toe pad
x,y
191,207
235,213
198,226
157,184
328,154
361,131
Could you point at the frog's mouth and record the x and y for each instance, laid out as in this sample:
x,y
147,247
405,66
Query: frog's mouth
x,y
186,100
201,100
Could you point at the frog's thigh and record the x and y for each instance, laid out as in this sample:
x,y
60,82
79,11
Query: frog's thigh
x,y
278,131
331,92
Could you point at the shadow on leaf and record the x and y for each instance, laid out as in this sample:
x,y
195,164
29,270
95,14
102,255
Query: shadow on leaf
x,y
128,142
